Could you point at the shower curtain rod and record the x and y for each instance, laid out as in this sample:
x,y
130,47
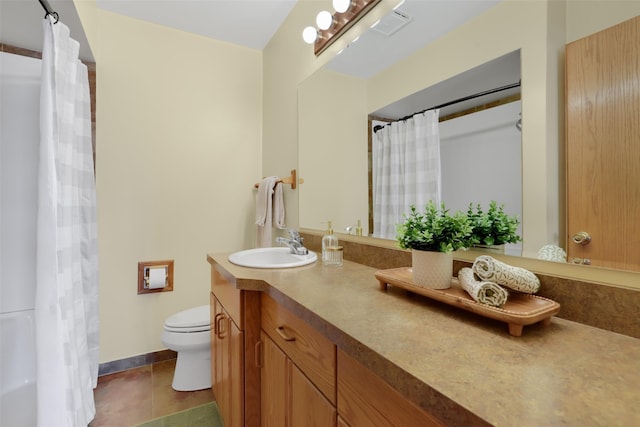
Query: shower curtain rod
x,y
49,11
456,101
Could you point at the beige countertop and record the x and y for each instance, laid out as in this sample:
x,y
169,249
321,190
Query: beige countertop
x,y
465,369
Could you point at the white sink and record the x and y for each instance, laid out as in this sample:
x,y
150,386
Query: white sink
x,y
277,257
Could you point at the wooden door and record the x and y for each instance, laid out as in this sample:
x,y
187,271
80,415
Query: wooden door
x,y
307,407
220,360
235,358
273,384
603,146
288,397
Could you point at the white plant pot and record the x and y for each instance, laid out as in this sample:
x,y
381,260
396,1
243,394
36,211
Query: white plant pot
x,y
432,270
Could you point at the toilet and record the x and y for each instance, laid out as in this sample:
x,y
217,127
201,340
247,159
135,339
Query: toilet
x,y
188,333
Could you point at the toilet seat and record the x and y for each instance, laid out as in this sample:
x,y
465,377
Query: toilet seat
x,y
195,319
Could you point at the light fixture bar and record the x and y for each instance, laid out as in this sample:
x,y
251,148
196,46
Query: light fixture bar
x,y
342,22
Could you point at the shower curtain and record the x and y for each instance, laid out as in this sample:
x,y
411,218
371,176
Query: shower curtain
x,y
66,307
406,170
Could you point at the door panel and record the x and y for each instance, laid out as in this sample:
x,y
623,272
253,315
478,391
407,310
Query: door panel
x,y
603,146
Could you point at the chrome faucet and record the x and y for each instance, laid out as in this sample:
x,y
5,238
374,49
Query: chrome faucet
x,y
295,242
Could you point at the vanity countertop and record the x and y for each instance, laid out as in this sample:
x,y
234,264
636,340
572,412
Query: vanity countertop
x,y
463,368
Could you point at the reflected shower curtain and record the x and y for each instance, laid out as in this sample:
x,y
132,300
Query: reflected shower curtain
x,y
66,307
406,170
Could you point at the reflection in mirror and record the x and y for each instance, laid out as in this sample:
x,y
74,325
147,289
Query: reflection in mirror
x,y
479,148
334,105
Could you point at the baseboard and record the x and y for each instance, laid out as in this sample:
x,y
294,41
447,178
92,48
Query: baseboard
x,y
135,362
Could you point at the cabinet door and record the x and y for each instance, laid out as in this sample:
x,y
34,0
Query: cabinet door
x,y
227,366
365,400
273,385
289,398
220,360
306,405
235,376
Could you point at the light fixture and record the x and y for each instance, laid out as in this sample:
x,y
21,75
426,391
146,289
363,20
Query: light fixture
x,y
310,35
331,27
341,6
324,20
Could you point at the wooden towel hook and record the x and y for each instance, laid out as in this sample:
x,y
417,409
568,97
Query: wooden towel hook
x,y
292,179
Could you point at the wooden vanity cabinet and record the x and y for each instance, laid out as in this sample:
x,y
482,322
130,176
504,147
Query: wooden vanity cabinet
x,y
235,317
298,368
272,368
365,400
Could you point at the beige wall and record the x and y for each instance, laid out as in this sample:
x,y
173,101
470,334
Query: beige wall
x,y
178,151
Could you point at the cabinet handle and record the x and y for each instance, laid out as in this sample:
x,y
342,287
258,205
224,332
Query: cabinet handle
x,y
258,354
216,324
280,330
221,331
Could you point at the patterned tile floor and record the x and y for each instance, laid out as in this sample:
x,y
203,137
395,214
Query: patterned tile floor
x,y
141,394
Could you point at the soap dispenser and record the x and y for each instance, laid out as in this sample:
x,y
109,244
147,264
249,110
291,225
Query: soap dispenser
x,y
331,251
359,229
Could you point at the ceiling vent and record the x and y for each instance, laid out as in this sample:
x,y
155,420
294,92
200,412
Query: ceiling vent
x,y
392,23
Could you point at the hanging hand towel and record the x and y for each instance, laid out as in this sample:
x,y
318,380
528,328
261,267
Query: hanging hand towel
x,y
278,206
264,211
516,278
482,291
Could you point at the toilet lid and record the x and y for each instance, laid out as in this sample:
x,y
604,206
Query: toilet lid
x,y
192,318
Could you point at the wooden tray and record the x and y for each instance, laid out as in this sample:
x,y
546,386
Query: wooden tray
x,y
519,310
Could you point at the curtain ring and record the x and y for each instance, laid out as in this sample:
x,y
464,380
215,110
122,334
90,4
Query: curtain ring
x,y
54,14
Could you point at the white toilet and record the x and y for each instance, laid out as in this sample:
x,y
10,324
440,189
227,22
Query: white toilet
x,y
188,333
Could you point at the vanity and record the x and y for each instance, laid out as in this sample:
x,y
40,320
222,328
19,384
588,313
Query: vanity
x,y
314,345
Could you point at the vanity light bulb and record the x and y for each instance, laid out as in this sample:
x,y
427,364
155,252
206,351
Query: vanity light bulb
x,y
341,6
324,20
309,35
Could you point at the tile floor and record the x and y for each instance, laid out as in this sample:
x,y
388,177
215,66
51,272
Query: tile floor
x,y
137,395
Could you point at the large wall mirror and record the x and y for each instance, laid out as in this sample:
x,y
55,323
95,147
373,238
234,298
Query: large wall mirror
x,y
476,52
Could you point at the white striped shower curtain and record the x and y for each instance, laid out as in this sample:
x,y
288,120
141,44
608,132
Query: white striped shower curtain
x,y
406,170
66,307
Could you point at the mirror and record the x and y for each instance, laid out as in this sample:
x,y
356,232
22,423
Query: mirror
x,y
333,108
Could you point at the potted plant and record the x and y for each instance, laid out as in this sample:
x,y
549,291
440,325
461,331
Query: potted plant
x,y
432,236
494,228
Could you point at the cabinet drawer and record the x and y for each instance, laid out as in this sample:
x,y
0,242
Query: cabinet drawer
x,y
314,354
364,399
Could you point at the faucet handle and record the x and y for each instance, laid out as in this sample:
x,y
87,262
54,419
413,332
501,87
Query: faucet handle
x,y
295,235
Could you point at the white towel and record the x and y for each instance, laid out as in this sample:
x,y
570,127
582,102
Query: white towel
x,y
516,278
278,206
264,212
482,291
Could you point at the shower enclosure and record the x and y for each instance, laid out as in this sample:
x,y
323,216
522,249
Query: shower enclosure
x,y
19,142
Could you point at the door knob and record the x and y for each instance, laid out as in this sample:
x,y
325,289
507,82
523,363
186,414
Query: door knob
x,y
581,238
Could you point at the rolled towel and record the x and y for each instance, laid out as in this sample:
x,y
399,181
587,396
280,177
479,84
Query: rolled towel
x,y
484,292
516,278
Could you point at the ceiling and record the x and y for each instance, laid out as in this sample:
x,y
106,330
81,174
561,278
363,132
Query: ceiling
x,y
249,23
